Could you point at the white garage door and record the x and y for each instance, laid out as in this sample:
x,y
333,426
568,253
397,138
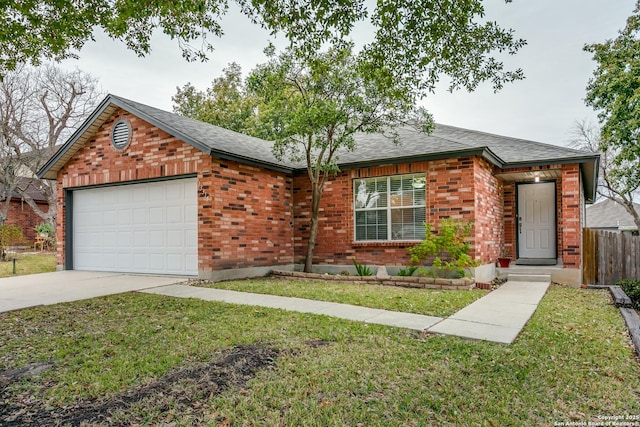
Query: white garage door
x,y
137,228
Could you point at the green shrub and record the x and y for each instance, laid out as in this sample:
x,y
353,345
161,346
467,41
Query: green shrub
x,y
362,269
407,271
449,247
631,287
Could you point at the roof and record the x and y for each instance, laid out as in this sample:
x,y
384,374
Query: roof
x,y
609,214
444,141
214,140
31,186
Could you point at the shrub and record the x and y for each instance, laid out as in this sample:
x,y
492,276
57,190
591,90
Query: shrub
x,y
10,235
362,269
407,271
631,287
449,247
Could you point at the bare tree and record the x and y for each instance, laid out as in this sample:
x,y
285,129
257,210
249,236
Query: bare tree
x,y
618,180
39,108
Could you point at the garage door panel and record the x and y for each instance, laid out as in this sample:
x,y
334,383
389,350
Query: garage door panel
x,y
139,194
124,217
175,215
175,238
140,216
139,262
191,259
110,260
190,214
157,194
156,215
191,239
124,239
175,261
156,261
144,228
140,239
156,238
110,217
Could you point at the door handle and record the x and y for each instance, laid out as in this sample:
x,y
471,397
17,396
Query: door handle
x,y
520,224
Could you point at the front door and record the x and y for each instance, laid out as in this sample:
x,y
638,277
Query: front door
x,y
537,220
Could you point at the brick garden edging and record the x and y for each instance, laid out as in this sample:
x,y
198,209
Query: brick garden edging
x,y
631,318
401,281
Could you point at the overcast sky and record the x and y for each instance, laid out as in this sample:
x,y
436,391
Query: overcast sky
x,y
543,107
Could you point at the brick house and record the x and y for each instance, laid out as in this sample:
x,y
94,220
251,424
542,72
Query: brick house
x,y
19,213
144,190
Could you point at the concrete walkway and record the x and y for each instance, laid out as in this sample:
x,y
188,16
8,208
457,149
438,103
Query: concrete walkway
x,y
499,316
71,285
417,322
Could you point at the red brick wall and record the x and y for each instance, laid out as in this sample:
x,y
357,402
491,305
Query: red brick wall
x,y
450,194
246,220
571,231
237,204
510,213
489,212
21,214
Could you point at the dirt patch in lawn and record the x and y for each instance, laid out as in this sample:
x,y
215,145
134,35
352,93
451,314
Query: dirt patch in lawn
x,y
180,391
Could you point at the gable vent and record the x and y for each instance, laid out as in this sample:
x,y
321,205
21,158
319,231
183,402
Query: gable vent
x,y
121,134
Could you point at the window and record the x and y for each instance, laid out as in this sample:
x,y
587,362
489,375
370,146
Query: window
x,y
390,208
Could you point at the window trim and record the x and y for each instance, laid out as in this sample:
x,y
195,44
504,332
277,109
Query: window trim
x,y
388,208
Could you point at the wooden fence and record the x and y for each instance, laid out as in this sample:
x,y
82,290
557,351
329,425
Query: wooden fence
x,y
608,257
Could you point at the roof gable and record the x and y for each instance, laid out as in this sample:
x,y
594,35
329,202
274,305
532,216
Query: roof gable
x,y
208,138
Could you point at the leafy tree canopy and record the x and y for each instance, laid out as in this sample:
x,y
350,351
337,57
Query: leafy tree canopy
x,y
614,91
311,106
226,103
416,39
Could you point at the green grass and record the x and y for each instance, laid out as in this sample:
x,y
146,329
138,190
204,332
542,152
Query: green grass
x,y
572,362
420,301
28,264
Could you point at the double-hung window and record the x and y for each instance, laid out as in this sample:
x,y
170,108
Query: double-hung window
x,y
390,208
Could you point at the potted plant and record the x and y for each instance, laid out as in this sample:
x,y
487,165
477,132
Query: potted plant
x,y
504,260
45,230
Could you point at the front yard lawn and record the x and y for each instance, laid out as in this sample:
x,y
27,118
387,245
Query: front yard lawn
x,y
147,359
28,264
419,301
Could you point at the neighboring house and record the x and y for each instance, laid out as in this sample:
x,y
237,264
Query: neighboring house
x,y
20,213
611,216
144,190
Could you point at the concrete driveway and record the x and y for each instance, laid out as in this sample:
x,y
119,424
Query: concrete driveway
x,y
63,286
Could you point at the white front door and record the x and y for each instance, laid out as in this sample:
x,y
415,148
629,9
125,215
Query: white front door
x,y
537,220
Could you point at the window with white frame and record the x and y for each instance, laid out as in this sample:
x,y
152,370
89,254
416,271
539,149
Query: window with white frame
x,y
390,208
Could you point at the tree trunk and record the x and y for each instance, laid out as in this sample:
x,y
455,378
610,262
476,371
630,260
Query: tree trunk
x,y
316,194
631,209
50,215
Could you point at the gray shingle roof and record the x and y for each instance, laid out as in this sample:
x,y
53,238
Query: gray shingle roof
x,y
450,139
609,214
445,141
205,136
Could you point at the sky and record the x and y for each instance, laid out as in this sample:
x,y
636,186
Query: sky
x,y
543,107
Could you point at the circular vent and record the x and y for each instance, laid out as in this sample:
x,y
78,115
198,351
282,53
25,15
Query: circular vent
x,y
121,134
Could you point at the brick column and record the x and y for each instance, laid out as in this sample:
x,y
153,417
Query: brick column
x,y
571,216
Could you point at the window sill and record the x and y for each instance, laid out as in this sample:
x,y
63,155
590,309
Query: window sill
x,y
382,243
